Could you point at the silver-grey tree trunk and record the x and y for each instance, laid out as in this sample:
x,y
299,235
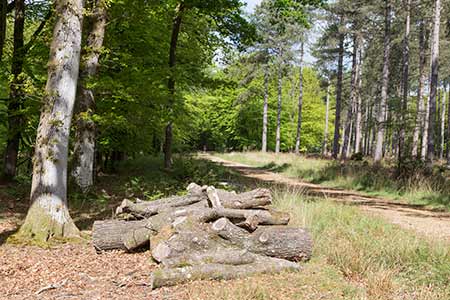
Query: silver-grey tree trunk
x,y
405,83
265,110
353,99
358,117
278,132
433,81
420,116
300,101
443,104
48,217
337,120
84,148
325,132
381,116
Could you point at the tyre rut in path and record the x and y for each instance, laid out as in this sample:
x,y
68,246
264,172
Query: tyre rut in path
x,y
427,223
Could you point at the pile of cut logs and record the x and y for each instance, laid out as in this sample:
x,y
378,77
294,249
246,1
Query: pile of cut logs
x,y
207,234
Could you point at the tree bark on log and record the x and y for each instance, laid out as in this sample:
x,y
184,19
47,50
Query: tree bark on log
x,y
215,271
288,243
228,200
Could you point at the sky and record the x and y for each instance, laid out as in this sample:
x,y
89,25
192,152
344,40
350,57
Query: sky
x,y
251,5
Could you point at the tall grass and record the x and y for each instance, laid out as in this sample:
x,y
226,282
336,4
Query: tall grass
x,y
390,262
415,186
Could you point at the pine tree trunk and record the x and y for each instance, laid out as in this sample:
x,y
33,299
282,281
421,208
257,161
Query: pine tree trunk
x,y
434,82
48,216
353,99
443,104
278,133
405,84
84,148
337,120
3,23
378,154
300,101
16,93
358,106
265,109
420,117
176,27
327,110
447,141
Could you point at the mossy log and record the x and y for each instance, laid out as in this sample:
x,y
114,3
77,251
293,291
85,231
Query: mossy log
x,y
220,271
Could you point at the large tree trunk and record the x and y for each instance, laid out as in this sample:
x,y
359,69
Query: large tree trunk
x,y
405,84
16,93
3,23
434,82
176,27
327,111
84,148
381,117
337,120
353,98
300,101
265,109
280,87
48,216
420,116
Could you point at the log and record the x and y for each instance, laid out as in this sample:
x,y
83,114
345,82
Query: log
x,y
213,271
197,197
144,209
222,256
264,216
115,234
251,199
294,244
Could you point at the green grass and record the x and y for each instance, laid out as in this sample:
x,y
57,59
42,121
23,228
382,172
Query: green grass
x,y
417,187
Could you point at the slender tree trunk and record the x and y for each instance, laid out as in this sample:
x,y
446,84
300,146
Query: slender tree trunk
x,y
176,26
337,120
48,216
378,154
433,82
443,104
447,141
84,149
300,101
325,132
3,23
265,109
420,99
358,106
405,83
16,93
353,99
278,133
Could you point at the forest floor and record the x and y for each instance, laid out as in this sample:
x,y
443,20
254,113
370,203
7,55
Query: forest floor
x,y
428,223
356,256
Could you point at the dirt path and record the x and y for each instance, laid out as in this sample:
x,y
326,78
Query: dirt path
x,y
427,223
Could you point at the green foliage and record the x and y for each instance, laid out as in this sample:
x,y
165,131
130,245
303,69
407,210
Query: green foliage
x,y
229,117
